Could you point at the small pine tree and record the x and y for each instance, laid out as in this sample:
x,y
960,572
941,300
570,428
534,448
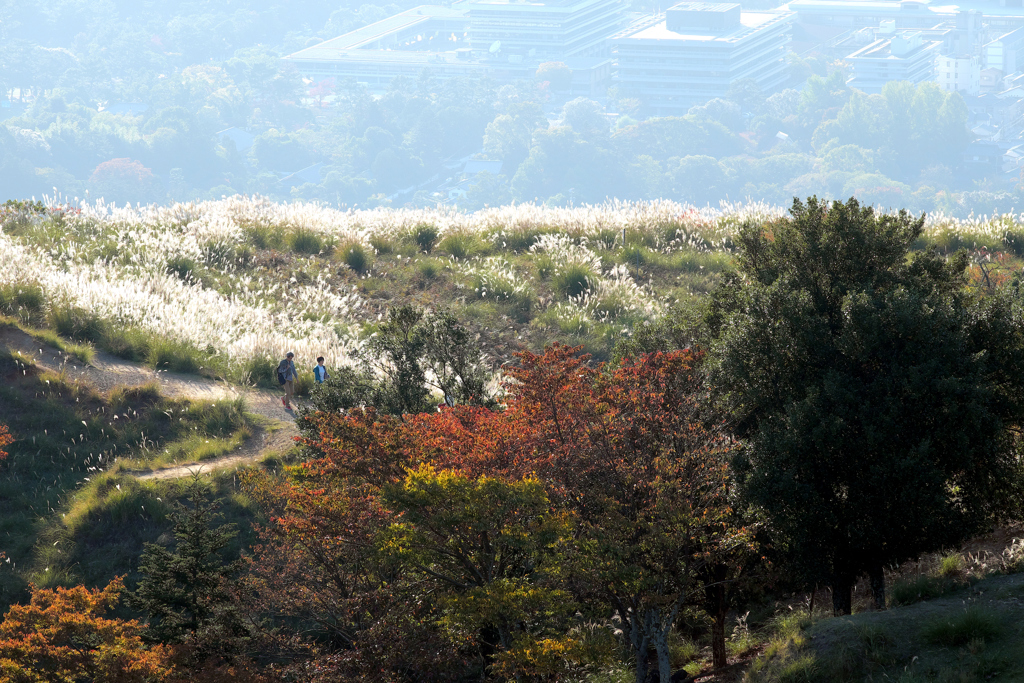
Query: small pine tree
x,y
186,592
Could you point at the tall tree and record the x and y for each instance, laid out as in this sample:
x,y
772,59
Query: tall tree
x,y
632,453
872,389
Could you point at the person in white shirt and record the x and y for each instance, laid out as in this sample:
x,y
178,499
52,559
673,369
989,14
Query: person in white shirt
x,y
320,372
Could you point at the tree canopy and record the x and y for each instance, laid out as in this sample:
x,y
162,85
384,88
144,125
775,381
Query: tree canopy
x,y
872,390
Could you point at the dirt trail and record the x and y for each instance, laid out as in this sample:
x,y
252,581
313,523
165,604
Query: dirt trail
x,y
107,372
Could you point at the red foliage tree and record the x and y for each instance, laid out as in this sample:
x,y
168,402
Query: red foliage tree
x,y
125,180
381,522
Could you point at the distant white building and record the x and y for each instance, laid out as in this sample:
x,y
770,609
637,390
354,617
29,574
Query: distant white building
x,y
907,56
696,50
959,74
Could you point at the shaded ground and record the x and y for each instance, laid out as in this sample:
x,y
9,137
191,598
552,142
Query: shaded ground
x,y
106,372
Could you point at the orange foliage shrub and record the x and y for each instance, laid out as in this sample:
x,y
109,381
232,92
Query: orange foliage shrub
x,y
61,635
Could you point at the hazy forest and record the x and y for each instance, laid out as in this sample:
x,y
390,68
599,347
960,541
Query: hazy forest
x,y
124,100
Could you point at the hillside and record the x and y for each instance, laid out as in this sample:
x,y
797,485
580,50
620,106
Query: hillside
x,y
138,345
225,288
974,633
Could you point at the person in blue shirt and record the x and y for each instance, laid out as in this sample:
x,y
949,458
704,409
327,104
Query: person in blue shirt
x,y
320,372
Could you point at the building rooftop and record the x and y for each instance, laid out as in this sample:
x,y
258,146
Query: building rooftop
x,y
378,30
874,7
899,47
656,28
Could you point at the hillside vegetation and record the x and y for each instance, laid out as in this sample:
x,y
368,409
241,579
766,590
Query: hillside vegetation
x,y
634,442
225,288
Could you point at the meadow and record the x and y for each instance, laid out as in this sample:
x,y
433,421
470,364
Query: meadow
x,y
224,288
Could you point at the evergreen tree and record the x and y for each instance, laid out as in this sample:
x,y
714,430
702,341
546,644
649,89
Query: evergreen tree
x,y
185,591
872,389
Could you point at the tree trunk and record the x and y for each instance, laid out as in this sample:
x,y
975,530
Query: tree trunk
x,y
719,657
842,596
877,575
641,667
717,605
661,647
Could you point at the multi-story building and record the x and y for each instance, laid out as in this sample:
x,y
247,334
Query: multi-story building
x,y
959,73
904,57
696,50
550,30
504,40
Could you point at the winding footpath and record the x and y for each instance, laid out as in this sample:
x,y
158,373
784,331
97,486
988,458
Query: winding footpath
x,y
106,372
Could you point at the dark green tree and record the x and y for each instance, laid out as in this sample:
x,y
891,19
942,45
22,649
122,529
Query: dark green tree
x,y
872,390
185,592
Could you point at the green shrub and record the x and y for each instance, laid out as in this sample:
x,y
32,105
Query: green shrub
x,y
951,565
77,323
25,302
139,397
974,623
545,266
517,240
355,256
635,255
260,372
424,235
572,280
217,418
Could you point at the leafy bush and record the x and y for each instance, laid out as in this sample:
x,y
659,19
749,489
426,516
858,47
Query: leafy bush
x,y
145,395
951,565
428,269
182,267
128,343
265,236
382,244
259,371
974,623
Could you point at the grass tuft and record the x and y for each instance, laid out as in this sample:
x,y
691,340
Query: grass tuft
x,y
572,280
355,256
424,235
974,623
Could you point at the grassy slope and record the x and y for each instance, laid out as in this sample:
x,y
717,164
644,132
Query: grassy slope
x,y
972,634
66,514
